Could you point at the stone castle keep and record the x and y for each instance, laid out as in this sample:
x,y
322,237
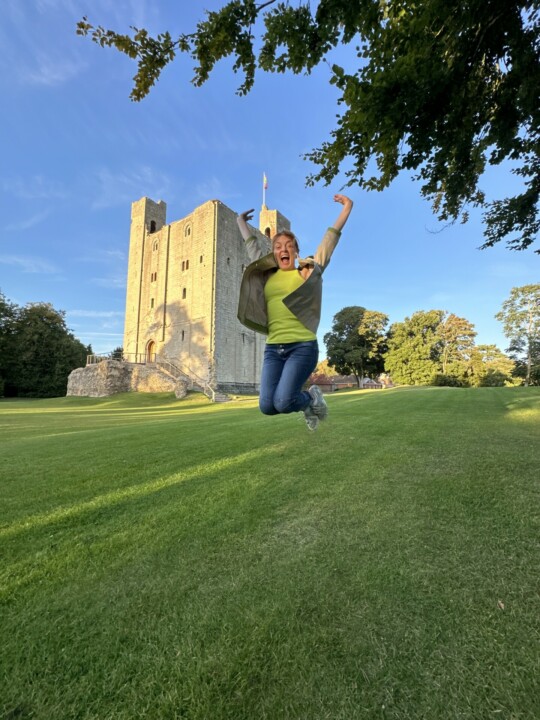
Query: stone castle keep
x,y
183,283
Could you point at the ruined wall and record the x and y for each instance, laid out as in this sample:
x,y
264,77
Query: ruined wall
x,y
111,376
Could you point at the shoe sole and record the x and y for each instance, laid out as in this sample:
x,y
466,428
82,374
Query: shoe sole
x,y
319,406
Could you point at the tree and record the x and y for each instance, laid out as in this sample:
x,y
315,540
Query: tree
x,y
522,369
413,356
439,89
46,352
324,369
357,341
8,316
457,342
520,315
489,366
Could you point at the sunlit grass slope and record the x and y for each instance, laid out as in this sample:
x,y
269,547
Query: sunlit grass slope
x,y
177,559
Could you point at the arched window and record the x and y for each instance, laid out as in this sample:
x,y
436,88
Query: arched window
x,y
187,231
152,226
155,245
183,293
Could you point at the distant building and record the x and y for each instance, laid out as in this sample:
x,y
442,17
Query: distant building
x,y
182,293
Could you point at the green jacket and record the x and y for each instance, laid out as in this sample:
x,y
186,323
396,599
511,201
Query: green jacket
x,y
304,302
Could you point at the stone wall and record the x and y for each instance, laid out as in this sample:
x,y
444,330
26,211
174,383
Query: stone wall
x,y
111,376
182,292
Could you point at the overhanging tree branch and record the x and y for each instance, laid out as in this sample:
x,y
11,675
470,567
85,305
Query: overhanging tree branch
x,y
435,102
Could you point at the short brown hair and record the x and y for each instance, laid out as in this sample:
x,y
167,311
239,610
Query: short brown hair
x,y
287,234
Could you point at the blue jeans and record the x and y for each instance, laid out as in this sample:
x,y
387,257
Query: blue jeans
x,y
285,369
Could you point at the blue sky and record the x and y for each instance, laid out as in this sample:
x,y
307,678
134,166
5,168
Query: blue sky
x,y
76,152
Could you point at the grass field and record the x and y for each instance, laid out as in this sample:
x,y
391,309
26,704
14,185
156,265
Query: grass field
x,y
176,559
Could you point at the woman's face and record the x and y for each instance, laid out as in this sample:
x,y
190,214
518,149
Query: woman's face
x,y
285,252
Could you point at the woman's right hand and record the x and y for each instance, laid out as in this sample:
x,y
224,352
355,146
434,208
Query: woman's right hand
x,y
242,221
247,215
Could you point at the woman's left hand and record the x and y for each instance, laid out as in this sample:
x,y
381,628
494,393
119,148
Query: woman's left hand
x,y
344,200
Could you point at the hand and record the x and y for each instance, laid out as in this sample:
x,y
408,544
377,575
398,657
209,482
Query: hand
x,y
345,211
247,215
344,200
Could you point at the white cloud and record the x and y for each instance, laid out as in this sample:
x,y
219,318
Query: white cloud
x,y
213,189
110,282
28,223
44,6
100,334
95,313
113,257
35,188
512,270
439,300
51,71
123,188
28,264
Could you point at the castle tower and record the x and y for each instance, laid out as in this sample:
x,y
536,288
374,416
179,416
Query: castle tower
x,y
270,221
147,220
182,294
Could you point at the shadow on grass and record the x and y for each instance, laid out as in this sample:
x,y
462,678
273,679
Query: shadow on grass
x,y
134,492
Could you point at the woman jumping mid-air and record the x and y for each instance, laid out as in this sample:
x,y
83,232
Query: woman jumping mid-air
x,y
283,301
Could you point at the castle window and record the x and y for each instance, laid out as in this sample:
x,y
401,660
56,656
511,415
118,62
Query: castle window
x,y
183,293
187,264
155,245
243,337
187,231
151,302
183,334
152,226
183,265
267,232
200,259
228,261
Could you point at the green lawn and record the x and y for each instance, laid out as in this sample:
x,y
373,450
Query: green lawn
x,y
177,559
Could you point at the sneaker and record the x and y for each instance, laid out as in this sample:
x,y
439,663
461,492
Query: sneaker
x,y
312,420
318,403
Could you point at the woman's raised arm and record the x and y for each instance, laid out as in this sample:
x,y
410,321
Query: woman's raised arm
x,y
345,212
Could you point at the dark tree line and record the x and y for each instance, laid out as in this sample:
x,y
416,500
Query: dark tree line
x,y
37,350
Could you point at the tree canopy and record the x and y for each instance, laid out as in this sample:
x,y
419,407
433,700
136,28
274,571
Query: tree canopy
x,y
489,366
439,89
37,350
435,347
356,344
414,348
520,315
